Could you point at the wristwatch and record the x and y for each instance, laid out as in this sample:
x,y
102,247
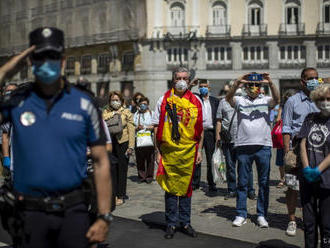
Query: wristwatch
x,y
108,217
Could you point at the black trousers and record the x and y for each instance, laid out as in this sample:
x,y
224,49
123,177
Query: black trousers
x,y
209,146
316,213
145,162
119,151
56,230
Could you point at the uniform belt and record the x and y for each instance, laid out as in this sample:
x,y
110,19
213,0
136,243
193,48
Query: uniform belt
x,y
53,204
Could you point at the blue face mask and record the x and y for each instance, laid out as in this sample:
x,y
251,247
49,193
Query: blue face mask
x,y
47,72
204,91
312,84
143,107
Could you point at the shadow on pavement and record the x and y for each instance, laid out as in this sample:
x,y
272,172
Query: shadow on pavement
x,y
275,220
275,243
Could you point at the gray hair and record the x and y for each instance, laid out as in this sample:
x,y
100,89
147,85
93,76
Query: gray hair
x,y
180,69
320,92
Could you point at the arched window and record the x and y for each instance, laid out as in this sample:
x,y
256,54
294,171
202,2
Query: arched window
x,y
292,12
255,12
177,15
326,11
219,13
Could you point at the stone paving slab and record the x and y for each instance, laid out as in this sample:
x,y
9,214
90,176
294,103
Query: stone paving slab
x,y
212,214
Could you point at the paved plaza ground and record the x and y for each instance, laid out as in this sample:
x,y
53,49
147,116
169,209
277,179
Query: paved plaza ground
x,y
211,214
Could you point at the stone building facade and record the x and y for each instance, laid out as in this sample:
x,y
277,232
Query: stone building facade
x,y
134,44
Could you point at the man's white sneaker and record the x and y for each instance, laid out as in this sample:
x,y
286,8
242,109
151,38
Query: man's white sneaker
x,y
262,222
292,228
239,221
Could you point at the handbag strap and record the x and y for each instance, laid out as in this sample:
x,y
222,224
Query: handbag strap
x,y
232,119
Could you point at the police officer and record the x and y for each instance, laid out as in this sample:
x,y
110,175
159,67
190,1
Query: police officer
x,y
53,123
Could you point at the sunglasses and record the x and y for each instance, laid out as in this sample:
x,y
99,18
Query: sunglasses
x,y
51,55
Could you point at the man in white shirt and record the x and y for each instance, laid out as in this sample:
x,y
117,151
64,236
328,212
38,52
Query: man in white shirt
x,y
253,141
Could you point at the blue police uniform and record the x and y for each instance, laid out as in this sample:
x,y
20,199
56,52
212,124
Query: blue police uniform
x,y
50,139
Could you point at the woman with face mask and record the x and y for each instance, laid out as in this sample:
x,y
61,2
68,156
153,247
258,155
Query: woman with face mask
x,y
122,131
144,150
315,183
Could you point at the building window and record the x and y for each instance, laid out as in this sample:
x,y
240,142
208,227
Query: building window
x,y
86,64
292,54
292,12
177,55
103,63
219,14
128,61
70,66
177,15
220,55
326,11
255,13
323,53
255,54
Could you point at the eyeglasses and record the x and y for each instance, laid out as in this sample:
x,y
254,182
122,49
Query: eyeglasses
x,y
52,55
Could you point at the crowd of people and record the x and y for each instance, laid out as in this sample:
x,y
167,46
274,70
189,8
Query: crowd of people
x,y
44,130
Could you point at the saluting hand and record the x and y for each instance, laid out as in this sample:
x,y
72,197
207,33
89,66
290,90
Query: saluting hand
x,y
14,61
98,232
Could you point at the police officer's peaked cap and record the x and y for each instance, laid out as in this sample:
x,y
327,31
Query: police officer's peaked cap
x,y
47,39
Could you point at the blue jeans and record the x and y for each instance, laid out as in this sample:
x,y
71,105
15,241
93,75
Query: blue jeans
x,y
171,209
231,158
245,156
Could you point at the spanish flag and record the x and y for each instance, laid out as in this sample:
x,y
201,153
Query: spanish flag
x,y
176,168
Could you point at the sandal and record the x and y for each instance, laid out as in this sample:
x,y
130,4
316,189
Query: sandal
x,y
119,201
280,184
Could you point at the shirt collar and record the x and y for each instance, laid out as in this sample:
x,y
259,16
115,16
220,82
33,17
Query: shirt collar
x,y
303,96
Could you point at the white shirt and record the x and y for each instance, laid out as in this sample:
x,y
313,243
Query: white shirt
x,y
208,114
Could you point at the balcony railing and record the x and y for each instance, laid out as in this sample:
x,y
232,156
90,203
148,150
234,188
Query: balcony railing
x,y
325,63
177,31
255,30
292,29
255,64
225,65
83,2
51,8
218,30
323,28
65,4
290,64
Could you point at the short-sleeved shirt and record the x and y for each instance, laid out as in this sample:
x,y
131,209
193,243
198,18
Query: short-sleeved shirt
x,y
253,122
144,119
49,141
225,113
316,130
155,118
296,109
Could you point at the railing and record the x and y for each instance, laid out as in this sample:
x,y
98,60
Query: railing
x,y
83,2
323,28
292,29
255,64
51,8
177,31
258,30
218,30
65,4
226,65
292,64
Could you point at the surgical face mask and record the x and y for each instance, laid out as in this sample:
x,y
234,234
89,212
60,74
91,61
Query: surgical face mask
x,y
203,91
324,107
181,86
312,84
143,107
48,71
115,104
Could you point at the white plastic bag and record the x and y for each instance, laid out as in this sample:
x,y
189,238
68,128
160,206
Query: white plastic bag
x,y
219,166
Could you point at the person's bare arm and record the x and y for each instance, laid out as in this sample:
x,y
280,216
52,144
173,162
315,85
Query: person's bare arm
x,y
286,142
231,93
200,146
12,64
279,115
5,144
275,93
303,153
108,146
217,132
325,163
98,231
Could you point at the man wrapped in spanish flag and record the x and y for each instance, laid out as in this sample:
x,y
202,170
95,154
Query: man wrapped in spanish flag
x,y
178,122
